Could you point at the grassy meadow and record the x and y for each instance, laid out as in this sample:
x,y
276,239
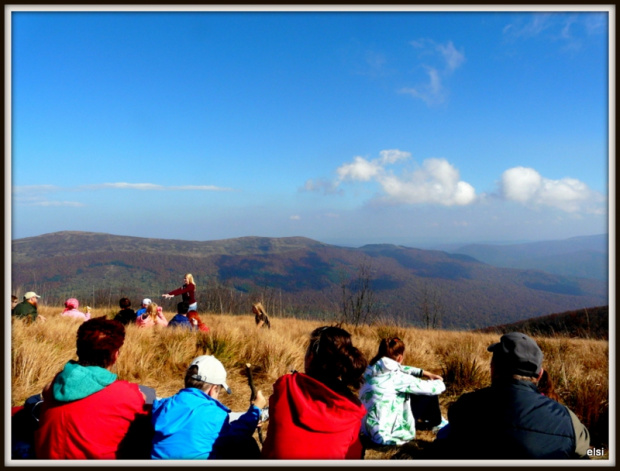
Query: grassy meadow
x,y
157,357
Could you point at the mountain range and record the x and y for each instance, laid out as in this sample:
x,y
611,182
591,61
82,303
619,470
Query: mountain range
x,y
299,276
585,256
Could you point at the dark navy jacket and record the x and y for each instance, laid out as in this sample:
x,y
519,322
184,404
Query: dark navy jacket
x,y
511,420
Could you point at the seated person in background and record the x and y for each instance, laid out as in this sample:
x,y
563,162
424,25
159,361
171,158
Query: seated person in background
x,y
126,315
87,413
196,321
193,424
387,391
180,319
315,415
14,302
71,310
145,304
27,309
511,419
152,316
260,316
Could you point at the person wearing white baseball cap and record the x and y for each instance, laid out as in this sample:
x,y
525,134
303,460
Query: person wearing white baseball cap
x,y
145,303
194,424
27,309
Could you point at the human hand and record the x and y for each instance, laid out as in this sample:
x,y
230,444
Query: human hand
x,y
260,400
432,376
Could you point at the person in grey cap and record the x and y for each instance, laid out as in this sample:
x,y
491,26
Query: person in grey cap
x,y
27,309
511,419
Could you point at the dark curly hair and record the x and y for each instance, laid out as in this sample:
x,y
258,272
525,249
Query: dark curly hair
x,y
331,357
98,340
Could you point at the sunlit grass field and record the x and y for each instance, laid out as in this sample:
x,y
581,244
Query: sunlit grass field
x,y
157,357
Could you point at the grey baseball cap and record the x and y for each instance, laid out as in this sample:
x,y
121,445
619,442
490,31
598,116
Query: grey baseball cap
x,y
517,353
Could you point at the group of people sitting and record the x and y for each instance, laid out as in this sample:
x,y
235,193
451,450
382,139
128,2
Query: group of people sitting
x,y
150,314
88,413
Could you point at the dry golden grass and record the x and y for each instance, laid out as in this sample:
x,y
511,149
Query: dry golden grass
x,y
157,357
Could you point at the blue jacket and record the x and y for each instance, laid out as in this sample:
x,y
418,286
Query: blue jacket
x,y
512,420
188,424
180,321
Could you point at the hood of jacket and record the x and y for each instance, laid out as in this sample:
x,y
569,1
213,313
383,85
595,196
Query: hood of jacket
x,y
383,366
319,408
77,382
172,414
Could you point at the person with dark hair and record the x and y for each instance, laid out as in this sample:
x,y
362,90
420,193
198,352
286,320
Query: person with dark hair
x,y
387,391
14,302
316,415
187,292
87,413
180,319
511,419
126,315
194,424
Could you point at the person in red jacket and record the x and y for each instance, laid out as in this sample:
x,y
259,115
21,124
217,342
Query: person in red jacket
x,y
315,415
187,292
87,413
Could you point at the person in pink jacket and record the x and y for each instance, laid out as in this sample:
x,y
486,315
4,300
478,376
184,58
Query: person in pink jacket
x,y
152,316
71,310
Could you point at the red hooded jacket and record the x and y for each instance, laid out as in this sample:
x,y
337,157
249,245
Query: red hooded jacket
x,y
308,420
95,427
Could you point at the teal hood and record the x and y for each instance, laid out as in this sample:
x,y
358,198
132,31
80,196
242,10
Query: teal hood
x,y
77,382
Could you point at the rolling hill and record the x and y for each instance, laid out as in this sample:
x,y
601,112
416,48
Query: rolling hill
x,y
294,276
585,257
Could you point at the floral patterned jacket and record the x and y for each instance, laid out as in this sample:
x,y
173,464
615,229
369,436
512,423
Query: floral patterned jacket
x,y
385,394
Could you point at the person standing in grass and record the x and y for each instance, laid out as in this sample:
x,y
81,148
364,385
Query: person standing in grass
x,y
511,419
194,424
87,412
27,309
187,292
316,415
387,392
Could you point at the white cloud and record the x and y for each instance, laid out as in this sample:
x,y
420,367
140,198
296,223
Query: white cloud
x,y
435,182
446,58
360,169
295,217
527,186
57,203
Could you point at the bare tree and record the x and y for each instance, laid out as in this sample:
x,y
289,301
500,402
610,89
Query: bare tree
x,y
431,308
358,299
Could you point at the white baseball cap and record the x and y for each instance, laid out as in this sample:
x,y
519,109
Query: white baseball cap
x,y
210,370
146,301
31,294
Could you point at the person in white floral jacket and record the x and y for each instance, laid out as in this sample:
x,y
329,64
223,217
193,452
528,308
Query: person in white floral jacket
x,y
386,393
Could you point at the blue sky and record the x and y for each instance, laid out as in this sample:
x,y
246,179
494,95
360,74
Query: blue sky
x,y
411,127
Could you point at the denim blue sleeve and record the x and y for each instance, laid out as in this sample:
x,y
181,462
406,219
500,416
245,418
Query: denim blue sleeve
x,y
244,426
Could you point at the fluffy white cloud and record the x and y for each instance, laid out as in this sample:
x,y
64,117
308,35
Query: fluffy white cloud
x,y
527,186
360,169
435,182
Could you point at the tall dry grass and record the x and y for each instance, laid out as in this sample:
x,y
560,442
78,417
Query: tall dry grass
x,y
157,357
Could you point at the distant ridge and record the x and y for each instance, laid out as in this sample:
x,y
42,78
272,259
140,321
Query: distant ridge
x,y
585,256
592,323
